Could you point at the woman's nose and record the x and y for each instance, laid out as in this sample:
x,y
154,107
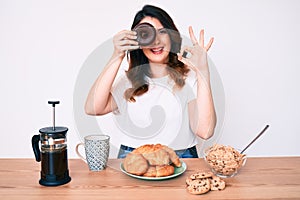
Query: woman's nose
x,y
157,39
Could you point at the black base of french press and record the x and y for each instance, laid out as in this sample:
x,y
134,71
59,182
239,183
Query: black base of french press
x,y
51,181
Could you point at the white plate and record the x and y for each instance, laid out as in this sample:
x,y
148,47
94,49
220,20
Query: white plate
x,y
177,171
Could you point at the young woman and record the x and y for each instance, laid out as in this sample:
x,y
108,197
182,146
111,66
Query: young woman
x,y
157,75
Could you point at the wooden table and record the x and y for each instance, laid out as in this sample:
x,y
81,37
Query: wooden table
x,y
261,178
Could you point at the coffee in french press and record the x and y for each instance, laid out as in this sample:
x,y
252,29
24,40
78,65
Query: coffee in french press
x,y
53,154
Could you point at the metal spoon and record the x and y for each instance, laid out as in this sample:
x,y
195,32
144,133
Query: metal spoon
x,y
267,126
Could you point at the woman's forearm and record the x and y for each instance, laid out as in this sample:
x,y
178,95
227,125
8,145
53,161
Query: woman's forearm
x,y
202,110
99,100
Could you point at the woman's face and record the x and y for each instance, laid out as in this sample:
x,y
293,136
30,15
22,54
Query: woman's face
x,y
158,51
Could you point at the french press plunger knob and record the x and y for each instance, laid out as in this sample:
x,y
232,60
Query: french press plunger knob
x,y
53,153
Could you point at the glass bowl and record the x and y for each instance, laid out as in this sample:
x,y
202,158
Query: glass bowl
x,y
224,161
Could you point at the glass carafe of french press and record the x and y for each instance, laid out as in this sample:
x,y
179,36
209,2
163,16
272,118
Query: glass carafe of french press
x,y
53,153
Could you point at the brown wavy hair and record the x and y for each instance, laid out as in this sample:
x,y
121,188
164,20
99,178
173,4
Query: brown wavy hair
x,y
138,63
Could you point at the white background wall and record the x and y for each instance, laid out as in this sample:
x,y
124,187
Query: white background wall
x,y
43,45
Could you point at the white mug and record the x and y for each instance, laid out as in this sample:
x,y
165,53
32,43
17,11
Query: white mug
x,y
96,151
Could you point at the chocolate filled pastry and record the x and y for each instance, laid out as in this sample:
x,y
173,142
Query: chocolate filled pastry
x,y
146,34
160,161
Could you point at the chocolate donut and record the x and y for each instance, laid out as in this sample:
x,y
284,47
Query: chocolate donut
x,y
146,34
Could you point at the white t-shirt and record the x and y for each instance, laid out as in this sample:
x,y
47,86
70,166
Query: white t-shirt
x,y
158,116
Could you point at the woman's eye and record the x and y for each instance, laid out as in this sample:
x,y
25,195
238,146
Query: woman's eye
x,y
162,31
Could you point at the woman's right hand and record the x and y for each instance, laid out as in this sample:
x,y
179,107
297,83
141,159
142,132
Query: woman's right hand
x,y
123,41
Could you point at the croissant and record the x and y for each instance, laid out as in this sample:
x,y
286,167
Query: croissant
x,y
159,171
173,156
152,161
154,154
135,164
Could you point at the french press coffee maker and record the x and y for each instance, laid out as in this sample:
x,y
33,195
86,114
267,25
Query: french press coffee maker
x,y
53,153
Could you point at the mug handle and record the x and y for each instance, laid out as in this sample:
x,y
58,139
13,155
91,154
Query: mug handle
x,y
78,153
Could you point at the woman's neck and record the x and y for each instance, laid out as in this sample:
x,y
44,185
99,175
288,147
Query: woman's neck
x,y
158,70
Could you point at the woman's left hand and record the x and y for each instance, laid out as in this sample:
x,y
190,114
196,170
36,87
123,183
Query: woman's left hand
x,y
197,58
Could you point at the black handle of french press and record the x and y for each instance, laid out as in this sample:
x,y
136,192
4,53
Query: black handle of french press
x,y
53,103
35,146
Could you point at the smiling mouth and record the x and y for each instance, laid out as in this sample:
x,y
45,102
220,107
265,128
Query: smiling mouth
x,y
157,50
